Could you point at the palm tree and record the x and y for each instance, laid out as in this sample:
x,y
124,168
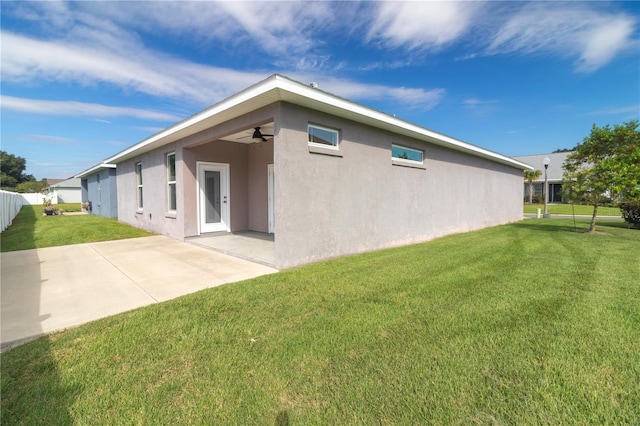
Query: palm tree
x,y
530,176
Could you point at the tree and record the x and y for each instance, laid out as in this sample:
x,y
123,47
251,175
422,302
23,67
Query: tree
x,y
12,171
31,186
530,176
605,164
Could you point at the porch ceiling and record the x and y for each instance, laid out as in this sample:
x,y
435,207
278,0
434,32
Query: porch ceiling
x,y
244,136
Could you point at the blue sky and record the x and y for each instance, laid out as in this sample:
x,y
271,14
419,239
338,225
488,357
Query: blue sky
x,y
82,81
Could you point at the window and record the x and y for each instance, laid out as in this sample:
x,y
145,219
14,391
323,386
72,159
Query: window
x,y
171,181
139,182
403,153
323,136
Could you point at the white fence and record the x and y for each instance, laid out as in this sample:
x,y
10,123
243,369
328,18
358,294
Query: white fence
x,y
36,198
11,204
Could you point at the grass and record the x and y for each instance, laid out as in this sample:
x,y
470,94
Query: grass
x,y
568,209
30,229
528,323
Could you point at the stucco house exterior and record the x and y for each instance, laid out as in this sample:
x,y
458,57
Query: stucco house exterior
x,y
326,176
554,174
99,190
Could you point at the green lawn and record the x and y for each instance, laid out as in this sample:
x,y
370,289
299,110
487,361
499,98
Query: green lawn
x,y
575,209
528,323
30,229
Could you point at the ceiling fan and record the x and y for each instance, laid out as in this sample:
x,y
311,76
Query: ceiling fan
x,y
258,136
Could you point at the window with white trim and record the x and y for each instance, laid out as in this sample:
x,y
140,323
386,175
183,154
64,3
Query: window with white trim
x,y
410,155
171,181
323,136
139,183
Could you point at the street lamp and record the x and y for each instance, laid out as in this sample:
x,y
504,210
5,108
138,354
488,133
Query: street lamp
x,y
546,162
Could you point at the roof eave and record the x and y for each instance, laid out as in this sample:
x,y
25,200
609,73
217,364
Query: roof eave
x,y
94,169
278,88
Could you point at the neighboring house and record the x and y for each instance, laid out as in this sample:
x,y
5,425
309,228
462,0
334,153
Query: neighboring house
x,y
99,190
327,176
51,182
66,191
554,174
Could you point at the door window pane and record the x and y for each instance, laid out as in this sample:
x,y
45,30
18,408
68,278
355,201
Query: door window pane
x,y
139,181
212,195
171,181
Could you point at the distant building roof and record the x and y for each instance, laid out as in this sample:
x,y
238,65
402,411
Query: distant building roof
x,y
66,183
554,172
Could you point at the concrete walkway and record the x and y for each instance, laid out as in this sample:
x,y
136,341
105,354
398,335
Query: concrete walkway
x,y
47,290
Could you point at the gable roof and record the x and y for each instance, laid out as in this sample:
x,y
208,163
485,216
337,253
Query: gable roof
x,y
279,88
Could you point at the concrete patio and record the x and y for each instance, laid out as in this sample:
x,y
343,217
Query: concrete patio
x,y
50,289
254,246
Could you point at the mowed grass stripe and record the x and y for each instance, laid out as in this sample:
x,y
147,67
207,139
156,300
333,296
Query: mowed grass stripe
x,y
526,323
31,230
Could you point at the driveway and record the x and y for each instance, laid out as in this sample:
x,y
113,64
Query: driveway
x,y
47,290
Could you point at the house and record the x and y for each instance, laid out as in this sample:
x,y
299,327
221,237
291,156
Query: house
x,y
325,176
99,190
64,191
554,175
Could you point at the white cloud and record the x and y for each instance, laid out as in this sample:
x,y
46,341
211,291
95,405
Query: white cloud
x,y
424,25
280,27
472,102
416,98
149,129
633,111
480,107
33,61
592,35
82,109
283,30
604,41
49,139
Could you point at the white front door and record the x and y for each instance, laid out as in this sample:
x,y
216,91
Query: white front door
x,y
213,197
270,192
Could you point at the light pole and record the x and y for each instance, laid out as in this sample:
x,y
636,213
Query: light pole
x,y
546,162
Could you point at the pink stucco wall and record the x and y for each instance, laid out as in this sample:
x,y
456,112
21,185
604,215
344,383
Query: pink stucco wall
x,y
326,205
248,180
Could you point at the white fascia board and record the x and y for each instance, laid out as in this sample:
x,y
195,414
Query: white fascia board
x,y
237,99
394,124
282,89
94,169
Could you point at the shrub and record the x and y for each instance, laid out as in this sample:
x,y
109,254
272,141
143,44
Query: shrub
x,y
631,213
537,199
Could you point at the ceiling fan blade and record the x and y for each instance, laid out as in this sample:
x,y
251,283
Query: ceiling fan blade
x,y
257,134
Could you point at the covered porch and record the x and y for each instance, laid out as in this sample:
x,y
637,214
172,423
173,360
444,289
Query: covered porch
x,y
249,245
229,182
